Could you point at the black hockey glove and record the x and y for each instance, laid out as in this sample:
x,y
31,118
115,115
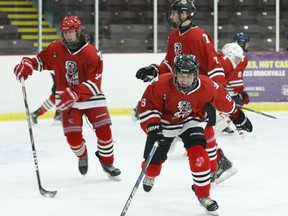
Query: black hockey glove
x,y
242,122
244,97
146,74
156,134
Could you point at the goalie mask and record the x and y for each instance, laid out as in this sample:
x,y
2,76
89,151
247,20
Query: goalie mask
x,y
186,73
181,6
234,52
70,23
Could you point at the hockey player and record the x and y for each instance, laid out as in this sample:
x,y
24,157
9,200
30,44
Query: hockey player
x,y
78,71
174,105
47,105
235,84
188,38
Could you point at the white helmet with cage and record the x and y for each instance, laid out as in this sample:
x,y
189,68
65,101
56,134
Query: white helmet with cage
x,y
234,52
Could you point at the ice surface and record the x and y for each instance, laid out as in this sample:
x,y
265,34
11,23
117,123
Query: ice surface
x,y
259,188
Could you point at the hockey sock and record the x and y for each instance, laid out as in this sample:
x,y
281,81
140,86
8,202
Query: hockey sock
x,y
218,154
47,105
105,145
200,168
77,144
153,170
211,147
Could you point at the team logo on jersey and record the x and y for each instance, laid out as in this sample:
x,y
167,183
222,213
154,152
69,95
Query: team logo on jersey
x,y
72,73
185,109
177,48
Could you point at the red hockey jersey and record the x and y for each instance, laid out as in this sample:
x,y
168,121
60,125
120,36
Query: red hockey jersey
x,y
163,102
198,42
81,70
235,84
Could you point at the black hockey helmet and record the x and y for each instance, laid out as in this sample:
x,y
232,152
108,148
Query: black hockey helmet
x,y
241,39
186,64
181,6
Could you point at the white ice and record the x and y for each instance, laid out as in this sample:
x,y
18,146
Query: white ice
x,y
259,188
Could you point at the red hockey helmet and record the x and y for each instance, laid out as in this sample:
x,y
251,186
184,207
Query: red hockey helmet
x,y
70,23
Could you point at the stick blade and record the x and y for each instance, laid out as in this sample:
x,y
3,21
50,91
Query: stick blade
x,y
48,194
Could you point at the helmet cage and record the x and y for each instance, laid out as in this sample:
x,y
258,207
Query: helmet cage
x,y
186,64
70,23
234,52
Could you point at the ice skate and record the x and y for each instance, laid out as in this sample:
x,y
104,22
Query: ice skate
x,y
209,205
83,165
34,116
57,117
228,130
148,183
225,169
135,115
111,171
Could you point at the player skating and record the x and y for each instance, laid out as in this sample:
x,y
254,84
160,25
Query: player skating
x,y
78,69
188,38
174,105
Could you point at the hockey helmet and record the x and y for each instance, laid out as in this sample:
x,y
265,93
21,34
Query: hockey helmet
x,y
70,23
241,39
181,6
189,65
234,52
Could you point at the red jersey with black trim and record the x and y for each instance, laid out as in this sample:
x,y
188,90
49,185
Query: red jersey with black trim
x,y
235,83
163,103
80,70
198,42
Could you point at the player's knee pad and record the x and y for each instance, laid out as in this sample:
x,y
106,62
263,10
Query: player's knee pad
x,y
193,136
153,170
160,153
104,133
198,159
74,138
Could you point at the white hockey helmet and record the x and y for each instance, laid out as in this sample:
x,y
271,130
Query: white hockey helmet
x,y
234,52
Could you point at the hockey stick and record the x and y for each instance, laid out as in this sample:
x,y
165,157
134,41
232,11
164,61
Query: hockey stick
x,y
255,111
132,194
42,191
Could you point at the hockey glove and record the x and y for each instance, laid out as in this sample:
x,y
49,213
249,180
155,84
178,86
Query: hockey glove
x,y
146,74
156,134
24,68
67,99
242,122
244,97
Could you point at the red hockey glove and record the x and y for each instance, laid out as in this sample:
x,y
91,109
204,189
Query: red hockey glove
x,y
24,68
155,133
241,121
244,97
146,74
67,99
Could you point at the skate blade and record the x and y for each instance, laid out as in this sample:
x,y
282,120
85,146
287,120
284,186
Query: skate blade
x,y
227,174
214,213
114,178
